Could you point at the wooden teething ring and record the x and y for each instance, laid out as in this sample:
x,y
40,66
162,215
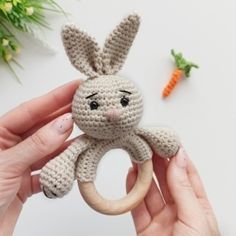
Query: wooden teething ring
x,y
131,200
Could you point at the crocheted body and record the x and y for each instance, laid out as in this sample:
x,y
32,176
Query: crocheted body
x,y
137,147
107,108
81,158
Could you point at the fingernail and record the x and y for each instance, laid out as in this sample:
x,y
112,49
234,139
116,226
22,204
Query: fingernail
x,y
181,158
63,123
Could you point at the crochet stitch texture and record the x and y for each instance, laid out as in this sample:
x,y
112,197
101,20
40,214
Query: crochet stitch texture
x,y
107,108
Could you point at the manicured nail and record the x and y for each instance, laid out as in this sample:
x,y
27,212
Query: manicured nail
x,y
181,158
63,123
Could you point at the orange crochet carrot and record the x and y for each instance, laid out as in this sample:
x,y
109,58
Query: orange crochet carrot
x,y
183,68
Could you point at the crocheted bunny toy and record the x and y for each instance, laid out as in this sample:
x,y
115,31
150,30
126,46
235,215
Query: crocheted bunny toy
x,y
107,108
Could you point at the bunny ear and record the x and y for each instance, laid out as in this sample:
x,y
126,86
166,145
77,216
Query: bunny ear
x,y
118,44
82,50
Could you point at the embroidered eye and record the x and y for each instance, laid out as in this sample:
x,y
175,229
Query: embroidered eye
x,y
124,101
94,105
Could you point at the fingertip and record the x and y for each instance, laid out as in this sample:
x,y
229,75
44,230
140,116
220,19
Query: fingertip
x,y
130,169
78,82
43,142
63,124
181,158
180,186
176,170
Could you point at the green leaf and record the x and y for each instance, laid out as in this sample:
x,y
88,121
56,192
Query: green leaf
x,y
182,63
15,2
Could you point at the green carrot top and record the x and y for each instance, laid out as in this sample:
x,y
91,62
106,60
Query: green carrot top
x,y
182,63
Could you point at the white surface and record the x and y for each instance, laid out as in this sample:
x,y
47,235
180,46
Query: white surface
x,y
202,109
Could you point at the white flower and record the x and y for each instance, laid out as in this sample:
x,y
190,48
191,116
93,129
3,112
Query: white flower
x,y
7,6
29,11
5,42
7,57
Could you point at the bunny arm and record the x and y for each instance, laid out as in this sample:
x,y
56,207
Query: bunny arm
x,y
58,175
163,141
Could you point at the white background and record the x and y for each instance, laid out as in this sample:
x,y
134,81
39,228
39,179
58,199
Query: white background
x,y
202,109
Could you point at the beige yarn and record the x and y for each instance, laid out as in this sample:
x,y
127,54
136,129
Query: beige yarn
x,y
82,50
108,89
85,54
118,43
107,108
163,141
58,175
137,148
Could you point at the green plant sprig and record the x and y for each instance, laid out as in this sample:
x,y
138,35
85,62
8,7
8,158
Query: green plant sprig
x,y
22,15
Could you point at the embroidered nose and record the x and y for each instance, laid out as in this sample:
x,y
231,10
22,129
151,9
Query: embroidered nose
x,y
113,115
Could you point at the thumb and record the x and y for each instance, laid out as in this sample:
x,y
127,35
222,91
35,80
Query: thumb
x,y
180,187
46,140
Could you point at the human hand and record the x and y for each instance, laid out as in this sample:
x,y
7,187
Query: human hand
x,y
179,206
31,135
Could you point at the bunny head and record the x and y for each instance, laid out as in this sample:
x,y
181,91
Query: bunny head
x,y
105,106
